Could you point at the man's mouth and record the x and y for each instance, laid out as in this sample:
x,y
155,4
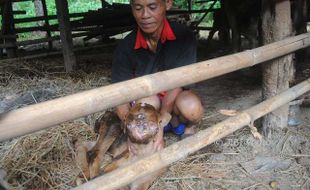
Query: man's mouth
x,y
146,25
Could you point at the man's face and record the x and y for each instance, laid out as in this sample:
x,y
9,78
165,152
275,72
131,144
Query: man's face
x,y
150,14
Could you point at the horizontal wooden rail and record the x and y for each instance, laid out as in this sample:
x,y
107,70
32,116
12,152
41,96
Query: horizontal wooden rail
x,y
53,53
182,149
41,40
36,28
17,12
49,17
20,0
8,36
43,115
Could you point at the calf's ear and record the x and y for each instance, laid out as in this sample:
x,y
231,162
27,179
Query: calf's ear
x,y
164,118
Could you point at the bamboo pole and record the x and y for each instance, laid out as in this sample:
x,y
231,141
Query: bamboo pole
x,y
43,115
182,149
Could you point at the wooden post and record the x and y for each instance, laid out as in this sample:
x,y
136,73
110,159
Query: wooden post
x,y
47,114
65,34
8,27
2,36
276,25
299,17
189,5
48,32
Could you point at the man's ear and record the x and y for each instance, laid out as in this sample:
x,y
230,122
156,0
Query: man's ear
x,y
168,4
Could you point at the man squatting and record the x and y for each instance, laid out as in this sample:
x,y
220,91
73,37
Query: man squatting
x,y
157,45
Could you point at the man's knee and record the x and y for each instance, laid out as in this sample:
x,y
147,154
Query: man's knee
x,y
152,100
188,105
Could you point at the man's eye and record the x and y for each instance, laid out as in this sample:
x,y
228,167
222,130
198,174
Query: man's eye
x,y
138,7
152,7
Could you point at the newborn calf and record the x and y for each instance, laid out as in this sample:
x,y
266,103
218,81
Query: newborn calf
x,y
144,128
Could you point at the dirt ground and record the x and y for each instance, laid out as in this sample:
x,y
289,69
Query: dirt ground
x,y
44,160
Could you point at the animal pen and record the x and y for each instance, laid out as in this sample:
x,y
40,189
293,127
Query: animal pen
x,y
50,113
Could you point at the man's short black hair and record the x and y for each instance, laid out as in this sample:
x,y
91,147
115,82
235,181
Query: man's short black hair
x,y
131,1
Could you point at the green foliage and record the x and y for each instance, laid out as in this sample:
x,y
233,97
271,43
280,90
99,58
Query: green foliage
x,y
199,5
76,6
118,1
30,12
208,19
180,4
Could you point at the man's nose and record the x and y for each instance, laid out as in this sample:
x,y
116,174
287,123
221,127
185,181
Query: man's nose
x,y
145,13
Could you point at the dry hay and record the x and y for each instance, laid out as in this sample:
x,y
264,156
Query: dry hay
x,y
44,160
29,82
241,162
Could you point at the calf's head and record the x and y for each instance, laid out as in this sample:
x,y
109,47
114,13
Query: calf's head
x,y
143,122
